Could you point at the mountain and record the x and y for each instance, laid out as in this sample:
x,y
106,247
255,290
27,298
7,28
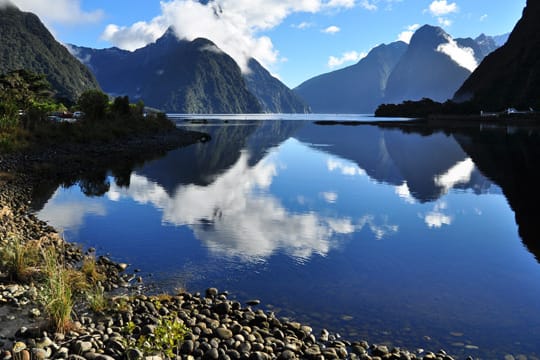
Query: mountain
x,y
355,89
509,160
486,45
510,76
273,95
500,40
27,44
426,69
173,75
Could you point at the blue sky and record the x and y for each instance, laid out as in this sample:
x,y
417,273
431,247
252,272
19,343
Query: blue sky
x,y
294,39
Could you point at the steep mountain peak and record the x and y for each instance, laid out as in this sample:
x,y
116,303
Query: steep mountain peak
x,y
433,66
168,39
429,36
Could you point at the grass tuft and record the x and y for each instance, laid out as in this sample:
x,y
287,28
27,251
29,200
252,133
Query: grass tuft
x,y
20,259
57,295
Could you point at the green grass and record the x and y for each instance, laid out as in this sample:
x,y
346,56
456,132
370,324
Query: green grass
x,y
60,285
57,292
20,259
96,298
91,270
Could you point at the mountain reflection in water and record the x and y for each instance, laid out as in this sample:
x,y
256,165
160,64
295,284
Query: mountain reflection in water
x,y
405,227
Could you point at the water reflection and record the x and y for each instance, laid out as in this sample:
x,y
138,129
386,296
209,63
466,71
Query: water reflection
x,y
403,225
233,215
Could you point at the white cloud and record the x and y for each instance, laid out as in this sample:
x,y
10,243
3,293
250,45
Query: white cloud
x,y
303,25
59,11
444,22
330,197
458,174
234,25
331,30
70,215
404,192
349,56
380,231
406,35
484,17
442,7
463,56
234,218
340,3
366,4
437,218
345,168
134,37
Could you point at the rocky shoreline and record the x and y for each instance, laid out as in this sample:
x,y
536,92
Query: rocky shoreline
x,y
134,325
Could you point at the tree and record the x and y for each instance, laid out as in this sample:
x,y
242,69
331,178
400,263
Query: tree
x,y
94,104
22,90
121,106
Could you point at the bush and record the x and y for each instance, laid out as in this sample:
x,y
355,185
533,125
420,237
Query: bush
x,y
94,104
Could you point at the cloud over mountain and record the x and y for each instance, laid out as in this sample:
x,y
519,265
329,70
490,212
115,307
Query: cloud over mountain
x,y
234,25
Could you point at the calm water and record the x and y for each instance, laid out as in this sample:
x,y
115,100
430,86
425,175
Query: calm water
x,y
419,238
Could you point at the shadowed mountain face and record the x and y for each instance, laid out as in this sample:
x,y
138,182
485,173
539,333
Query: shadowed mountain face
x,y
202,164
273,95
396,72
510,159
429,165
425,70
173,75
355,89
27,44
510,76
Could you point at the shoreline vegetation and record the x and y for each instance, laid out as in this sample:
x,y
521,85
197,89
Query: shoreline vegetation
x,y
452,111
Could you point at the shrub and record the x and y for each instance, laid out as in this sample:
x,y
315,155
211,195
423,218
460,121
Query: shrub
x,y
166,339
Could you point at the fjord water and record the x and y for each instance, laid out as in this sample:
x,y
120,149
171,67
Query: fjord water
x,y
406,235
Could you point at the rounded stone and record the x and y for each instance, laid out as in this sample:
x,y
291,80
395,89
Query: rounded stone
x,y
187,347
223,333
211,292
212,354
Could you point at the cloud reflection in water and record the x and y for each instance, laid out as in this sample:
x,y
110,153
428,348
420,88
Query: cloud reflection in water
x,y
236,216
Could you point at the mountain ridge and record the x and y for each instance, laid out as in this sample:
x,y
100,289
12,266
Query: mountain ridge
x,y
425,70
27,44
173,75
341,90
209,84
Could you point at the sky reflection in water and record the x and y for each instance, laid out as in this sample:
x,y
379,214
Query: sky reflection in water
x,y
374,233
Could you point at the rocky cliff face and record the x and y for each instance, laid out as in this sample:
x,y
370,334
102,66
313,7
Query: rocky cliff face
x,y
510,76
